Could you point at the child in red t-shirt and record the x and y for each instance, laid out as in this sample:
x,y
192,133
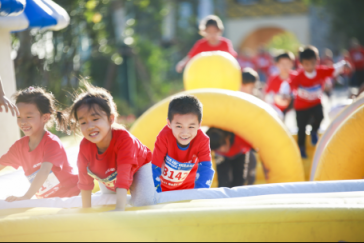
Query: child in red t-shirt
x,y
182,155
8,105
111,155
309,85
211,28
278,92
235,161
40,153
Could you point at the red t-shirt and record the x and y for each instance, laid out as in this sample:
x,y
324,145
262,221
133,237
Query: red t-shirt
x,y
274,84
179,165
263,62
309,91
203,46
115,168
61,182
357,57
240,146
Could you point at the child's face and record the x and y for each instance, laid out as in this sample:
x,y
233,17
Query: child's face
x,y
94,123
248,88
309,65
284,65
212,33
226,147
184,127
30,120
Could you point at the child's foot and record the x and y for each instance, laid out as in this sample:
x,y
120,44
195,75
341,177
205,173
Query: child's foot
x,y
303,153
314,138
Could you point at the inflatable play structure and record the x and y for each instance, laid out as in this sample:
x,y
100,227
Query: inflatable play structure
x,y
286,209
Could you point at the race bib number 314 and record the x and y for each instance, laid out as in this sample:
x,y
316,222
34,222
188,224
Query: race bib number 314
x,y
175,173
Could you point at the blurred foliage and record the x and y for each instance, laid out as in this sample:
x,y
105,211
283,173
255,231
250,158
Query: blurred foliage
x,y
285,41
136,63
348,17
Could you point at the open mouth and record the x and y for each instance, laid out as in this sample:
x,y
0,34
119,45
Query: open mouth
x,y
185,139
26,129
94,134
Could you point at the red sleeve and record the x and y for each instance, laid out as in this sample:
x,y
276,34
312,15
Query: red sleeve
x,y
269,84
196,49
160,150
204,154
327,72
12,157
231,48
54,153
295,82
85,181
126,159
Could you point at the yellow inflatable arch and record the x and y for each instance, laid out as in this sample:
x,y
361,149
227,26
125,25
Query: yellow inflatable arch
x,y
343,157
218,70
244,115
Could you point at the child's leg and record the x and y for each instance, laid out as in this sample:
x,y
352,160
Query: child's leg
x,y
318,115
223,170
143,192
252,167
303,117
238,170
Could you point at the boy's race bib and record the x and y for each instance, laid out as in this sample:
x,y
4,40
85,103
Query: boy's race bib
x,y
311,94
175,173
50,186
109,182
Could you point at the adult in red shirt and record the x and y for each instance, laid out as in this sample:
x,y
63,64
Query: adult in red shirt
x,y
357,56
211,28
235,161
278,90
309,85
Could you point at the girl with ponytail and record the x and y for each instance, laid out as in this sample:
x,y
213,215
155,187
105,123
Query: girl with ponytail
x,y
41,153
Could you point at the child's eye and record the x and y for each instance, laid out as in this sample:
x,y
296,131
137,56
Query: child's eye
x,y
29,117
84,123
96,119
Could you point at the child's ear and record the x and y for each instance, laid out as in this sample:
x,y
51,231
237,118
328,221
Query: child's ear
x,y
46,117
169,123
112,119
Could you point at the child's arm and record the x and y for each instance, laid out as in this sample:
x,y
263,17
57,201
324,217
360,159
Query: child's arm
x,y
340,67
37,183
86,198
205,175
181,64
159,154
121,199
8,105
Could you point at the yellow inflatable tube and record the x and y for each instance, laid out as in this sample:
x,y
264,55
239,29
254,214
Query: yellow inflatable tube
x,y
299,217
217,69
343,157
244,115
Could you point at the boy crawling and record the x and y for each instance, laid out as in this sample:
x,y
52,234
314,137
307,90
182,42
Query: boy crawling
x,y
182,155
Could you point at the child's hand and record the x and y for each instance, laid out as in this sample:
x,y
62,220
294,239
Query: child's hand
x,y
180,66
14,199
8,105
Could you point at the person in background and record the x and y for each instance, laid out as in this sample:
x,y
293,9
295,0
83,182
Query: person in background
x,y
245,59
263,62
211,28
5,103
250,84
278,91
357,56
41,153
235,160
327,60
309,85
182,155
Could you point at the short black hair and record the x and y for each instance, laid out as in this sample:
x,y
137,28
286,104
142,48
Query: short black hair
x,y
218,137
250,76
289,55
185,104
309,53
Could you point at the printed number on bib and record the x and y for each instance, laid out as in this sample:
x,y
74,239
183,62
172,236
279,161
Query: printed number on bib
x,y
109,182
175,173
313,93
50,186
